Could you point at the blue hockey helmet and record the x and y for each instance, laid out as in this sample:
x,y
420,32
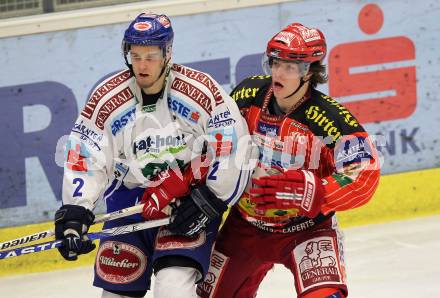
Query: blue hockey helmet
x,y
149,29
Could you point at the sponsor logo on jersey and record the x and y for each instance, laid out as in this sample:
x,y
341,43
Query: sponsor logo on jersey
x,y
153,169
102,91
270,225
120,263
268,129
274,143
299,227
317,263
353,150
348,117
111,105
221,119
149,108
299,125
120,170
153,144
201,78
318,116
88,135
259,77
245,93
121,120
183,110
271,158
342,179
192,92
194,117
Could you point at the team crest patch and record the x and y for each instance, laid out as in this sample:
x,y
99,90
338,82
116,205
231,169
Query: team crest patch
x,y
142,26
120,263
317,263
166,240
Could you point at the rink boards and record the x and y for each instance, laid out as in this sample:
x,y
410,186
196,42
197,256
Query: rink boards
x,y
399,196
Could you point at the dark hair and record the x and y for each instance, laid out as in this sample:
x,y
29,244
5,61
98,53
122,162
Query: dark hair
x,y
318,72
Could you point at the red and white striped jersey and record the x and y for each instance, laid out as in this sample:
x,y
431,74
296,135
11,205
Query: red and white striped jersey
x,y
320,135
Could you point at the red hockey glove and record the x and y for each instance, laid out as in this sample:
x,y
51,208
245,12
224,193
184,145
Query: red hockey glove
x,y
169,186
293,189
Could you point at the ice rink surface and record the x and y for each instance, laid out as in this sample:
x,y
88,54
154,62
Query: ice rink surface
x,y
398,259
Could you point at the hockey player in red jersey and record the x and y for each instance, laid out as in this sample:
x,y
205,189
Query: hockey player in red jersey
x,y
315,159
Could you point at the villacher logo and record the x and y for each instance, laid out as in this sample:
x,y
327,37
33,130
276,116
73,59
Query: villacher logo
x,y
124,265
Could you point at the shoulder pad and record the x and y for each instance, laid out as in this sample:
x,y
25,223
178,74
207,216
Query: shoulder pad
x,y
113,100
192,91
249,87
327,117
342,111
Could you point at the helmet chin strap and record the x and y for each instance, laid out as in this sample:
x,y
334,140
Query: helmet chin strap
x,y
163,69
302,82
161,73
130,67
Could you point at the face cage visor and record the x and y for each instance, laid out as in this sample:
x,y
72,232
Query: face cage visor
x,y
292,68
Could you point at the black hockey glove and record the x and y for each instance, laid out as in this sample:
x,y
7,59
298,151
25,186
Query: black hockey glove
x,y
195,212
71,225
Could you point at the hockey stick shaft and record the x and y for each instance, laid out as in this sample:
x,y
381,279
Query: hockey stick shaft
x,y
48,233
93,236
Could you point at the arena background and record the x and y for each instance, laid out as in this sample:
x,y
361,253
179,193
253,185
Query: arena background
x,y
382,62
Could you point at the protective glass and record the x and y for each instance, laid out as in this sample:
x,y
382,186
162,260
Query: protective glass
x,y
292,69
153,56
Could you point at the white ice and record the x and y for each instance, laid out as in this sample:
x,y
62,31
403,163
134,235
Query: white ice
x,y
398,259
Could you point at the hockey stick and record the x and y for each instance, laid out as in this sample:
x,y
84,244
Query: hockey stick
x,y
198,165
48,233
93,236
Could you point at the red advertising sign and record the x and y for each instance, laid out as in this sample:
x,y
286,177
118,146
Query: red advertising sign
x,y
387,92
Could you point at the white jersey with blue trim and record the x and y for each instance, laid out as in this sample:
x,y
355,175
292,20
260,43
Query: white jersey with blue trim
x,y
116,138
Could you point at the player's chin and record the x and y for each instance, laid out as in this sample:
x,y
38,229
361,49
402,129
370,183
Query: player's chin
x,y
280,93
144,82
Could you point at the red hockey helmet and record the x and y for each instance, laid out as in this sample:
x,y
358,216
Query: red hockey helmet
x,y
298,43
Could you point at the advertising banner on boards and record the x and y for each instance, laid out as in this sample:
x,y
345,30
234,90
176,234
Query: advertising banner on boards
x,y
382,64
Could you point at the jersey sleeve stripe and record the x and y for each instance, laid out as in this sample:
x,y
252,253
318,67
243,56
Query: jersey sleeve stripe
x,y
238,190
341,193
364,194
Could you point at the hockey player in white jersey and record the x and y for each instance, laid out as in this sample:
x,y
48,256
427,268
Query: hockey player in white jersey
x,y
134,141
